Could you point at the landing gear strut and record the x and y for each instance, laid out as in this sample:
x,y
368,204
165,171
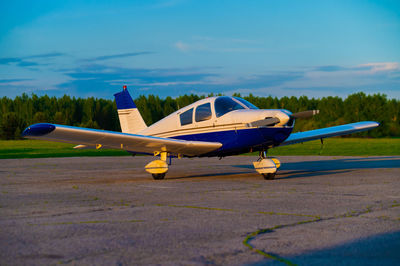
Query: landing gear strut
x,y
266,166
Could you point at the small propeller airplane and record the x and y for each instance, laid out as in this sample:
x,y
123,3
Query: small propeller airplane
x,y
212,127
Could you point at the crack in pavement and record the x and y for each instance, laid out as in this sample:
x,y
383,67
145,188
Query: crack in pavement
x,y
259,232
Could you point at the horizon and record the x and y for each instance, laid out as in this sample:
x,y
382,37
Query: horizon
x,y
176,47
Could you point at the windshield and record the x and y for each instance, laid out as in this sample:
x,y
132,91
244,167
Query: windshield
x,y
248,104
225,104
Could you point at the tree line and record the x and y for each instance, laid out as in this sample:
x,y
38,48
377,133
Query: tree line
x,y
24,110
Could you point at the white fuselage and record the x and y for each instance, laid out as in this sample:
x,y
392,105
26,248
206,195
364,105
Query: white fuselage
x,y
170,126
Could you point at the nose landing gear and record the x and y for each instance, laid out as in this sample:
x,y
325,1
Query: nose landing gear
x,y
266,166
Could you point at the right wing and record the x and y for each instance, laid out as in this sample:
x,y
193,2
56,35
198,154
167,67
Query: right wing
x,y
329,132
118,140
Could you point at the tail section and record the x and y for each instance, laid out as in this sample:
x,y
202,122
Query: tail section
x,y
129,117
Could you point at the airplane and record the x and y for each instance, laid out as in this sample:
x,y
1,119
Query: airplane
x,y
212,127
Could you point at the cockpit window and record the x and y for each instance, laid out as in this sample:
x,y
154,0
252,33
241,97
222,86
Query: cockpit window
x,y
225,104
187,117
203,112
248,104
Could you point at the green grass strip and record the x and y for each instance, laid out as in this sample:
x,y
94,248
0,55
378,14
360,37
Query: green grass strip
x,y
13,149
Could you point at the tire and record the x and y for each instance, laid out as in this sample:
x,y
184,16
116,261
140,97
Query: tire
x,y
269,176
158,176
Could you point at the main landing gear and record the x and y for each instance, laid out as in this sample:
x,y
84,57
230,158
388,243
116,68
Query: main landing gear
x,y
266,166
158,168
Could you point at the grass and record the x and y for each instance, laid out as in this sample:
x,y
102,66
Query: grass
x,y
10,149
342,146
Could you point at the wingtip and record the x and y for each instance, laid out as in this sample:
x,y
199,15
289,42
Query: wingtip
x,y
374,124
37,130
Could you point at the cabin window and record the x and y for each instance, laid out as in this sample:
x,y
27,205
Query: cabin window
x,y
248,104
186,117
203,112
225,104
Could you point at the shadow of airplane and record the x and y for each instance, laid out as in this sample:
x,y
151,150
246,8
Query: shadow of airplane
x,y
333,166
213,175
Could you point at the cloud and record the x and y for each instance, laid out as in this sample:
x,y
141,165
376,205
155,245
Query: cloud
x,y
107,79
9,81
315,82
8,60
123,55
384,66
219,45
271,79
371,67
47,55
184,47
329,68
22,62
27,64
101,80
18,61
177,80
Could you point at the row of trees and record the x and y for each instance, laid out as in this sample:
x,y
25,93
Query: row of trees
x,y
18,113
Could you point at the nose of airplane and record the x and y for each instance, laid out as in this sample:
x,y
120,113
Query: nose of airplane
x,y
38,129
283,117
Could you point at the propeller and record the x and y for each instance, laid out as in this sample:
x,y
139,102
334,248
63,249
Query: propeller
x,y
270,121
305,114
265,122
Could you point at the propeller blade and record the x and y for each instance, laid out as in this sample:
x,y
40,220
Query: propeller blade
x,y
305,114
265,122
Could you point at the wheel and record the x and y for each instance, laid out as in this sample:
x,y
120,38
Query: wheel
x,y
269,176
158,176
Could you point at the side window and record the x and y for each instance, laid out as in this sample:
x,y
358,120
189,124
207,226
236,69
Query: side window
x,y
186,117
203,112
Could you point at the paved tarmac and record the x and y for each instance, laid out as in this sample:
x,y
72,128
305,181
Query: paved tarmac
x,y
108,211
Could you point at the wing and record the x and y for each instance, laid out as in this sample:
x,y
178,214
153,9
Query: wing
x,y
117,140
329,132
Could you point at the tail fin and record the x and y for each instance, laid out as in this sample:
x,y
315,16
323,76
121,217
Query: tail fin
x,y
129,117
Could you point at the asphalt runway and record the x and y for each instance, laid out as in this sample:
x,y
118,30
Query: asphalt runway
x,y
109,211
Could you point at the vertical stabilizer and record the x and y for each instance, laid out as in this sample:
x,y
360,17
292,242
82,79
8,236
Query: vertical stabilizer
x,y
129,117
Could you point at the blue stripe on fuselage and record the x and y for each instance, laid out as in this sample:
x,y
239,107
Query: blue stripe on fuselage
x,y
243,140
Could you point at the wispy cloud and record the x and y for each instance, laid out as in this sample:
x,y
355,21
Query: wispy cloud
x,y
222,45
102,80
114,56
46,55
17,61
181,46
382,67
329,68
97,77
23,62
371,67
9,81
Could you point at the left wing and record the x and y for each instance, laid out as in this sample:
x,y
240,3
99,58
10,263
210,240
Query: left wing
x,y
329,132
118,140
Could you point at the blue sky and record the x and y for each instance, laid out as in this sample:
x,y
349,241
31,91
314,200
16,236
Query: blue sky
x,y
169,48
